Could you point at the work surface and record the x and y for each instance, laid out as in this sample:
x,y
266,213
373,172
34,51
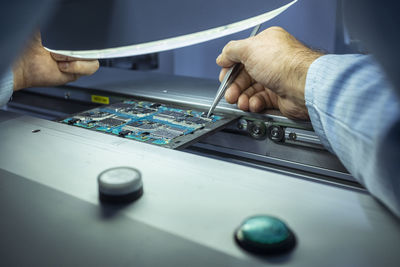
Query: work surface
x,y
187,215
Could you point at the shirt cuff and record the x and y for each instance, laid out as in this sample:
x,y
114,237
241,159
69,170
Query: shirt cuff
x,y
313,80
6,87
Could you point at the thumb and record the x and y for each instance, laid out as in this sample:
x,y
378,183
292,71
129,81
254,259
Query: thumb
x,y
233,52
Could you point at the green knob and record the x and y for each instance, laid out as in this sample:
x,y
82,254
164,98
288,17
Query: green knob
x,y
265,235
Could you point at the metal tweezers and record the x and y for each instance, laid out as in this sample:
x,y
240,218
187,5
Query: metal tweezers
x,y
229,78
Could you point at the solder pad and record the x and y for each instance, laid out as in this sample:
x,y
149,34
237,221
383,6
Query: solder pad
x,y
149,122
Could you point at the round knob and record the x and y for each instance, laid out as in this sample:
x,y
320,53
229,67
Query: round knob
x,y
276,133
264,234
120,184
257,129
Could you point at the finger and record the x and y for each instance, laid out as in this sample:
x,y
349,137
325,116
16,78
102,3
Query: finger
x,y
243,79
258,102
272,99
241,83
69,77
79,67
58,57
222,74
233,52
233,93
59,79
222,61
265,99
244,98
253,89
243,102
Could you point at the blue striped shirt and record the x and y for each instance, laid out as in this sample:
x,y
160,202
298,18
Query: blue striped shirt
x,y
6,87
356,114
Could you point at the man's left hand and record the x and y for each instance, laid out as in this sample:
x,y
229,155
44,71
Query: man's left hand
x,y
39,67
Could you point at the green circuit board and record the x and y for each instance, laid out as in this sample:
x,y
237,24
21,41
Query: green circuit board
x,y
146,122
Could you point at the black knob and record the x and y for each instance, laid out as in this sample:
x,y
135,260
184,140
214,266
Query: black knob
x,y
276,133
257,129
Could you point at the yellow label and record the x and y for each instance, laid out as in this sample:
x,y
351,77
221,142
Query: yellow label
x,y
100,99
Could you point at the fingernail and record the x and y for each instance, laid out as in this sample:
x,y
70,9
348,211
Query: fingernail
x,y
63,65
219,58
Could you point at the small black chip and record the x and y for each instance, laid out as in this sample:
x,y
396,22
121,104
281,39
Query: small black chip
x,y
120,105
73,121
124,133
196,120
155,105
110,122
135,123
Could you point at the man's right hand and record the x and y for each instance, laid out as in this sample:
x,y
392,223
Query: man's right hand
x,y
274,74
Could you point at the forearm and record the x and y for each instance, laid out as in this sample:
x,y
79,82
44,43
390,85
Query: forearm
x,y
6,87
352,108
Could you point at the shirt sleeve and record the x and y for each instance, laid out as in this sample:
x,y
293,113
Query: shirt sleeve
x,y
356,114
6,87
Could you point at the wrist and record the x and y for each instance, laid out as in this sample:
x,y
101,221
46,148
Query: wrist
x,y
299,64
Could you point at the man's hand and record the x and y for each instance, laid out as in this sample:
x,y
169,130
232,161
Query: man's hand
x,y
39,67
274,74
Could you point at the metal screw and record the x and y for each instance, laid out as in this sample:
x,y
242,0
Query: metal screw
x,y
275,132
242,125
67,95
256,130
293,136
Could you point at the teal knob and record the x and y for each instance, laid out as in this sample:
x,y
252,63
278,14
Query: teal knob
x,y
264,234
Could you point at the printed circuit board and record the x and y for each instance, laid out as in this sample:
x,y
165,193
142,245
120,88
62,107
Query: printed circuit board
x,y
149,122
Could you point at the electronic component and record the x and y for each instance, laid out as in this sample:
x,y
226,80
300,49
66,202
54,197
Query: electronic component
x,y
124,133
142,126
120,106
165,134
73,121
111,122
94,115
148,122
